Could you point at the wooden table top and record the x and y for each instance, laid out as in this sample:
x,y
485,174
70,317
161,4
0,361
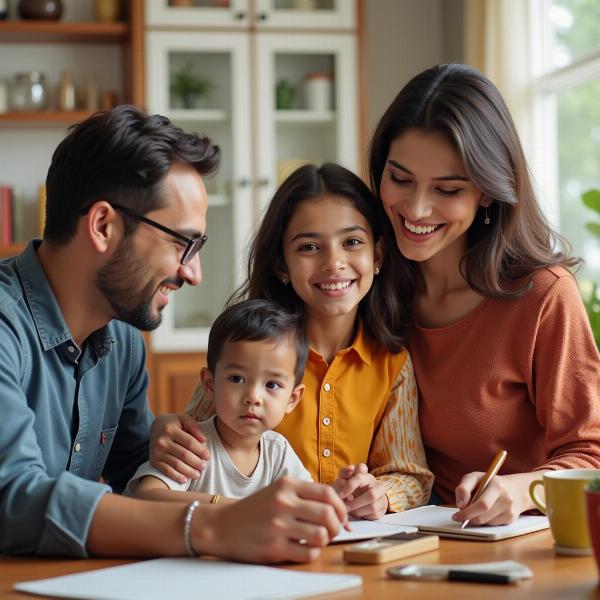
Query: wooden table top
x,y
560,577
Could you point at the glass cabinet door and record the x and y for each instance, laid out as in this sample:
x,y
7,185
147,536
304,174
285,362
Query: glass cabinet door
x,y
202,83
307,104
313,14
197,13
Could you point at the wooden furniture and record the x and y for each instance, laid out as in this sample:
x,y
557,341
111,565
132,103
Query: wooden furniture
x,y
560,577
174,378
112,53
126,34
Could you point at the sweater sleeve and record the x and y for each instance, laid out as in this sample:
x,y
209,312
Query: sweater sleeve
x,y
397,457
566,380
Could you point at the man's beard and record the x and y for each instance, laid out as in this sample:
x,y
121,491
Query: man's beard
x,y
120,282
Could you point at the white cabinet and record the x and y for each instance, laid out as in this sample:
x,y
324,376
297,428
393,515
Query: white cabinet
x,y
221,58
274,100
265,14
321,133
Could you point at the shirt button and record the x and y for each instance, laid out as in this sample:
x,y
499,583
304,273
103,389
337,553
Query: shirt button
x,y
326,421
326,387
71,349
77,447
326,452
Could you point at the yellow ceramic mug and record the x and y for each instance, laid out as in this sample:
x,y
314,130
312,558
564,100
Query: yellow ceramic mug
x,y
565,507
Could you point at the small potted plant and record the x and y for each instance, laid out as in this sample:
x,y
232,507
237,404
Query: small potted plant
x,y
188,87
592,496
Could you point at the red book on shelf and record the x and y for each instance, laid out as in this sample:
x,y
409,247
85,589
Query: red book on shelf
x,y
6,215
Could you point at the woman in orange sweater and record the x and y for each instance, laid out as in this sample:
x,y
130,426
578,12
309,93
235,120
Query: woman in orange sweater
x,y
501,344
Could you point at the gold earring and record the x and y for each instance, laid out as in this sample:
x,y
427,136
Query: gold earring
x,y
376,270
486,218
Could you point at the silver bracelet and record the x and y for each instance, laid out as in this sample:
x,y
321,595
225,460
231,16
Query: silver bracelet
x,y
187,525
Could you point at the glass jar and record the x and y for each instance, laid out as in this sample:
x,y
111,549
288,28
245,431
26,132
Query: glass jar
x,y
28,91
318,91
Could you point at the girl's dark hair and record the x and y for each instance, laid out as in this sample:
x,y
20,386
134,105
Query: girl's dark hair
x,y
383,313
122,156
461,103
256,321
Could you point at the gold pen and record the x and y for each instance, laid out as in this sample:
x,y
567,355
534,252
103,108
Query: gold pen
x,y
485,480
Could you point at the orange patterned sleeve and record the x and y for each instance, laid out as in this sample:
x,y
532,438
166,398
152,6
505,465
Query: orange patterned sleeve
x,y
397,457
200,405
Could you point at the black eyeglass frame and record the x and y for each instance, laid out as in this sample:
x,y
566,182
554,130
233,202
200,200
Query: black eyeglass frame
x,y
193,244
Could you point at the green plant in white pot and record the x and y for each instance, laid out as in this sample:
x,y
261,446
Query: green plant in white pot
x,y
591,199
188,86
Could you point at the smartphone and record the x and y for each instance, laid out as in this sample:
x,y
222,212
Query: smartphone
x,y
393,547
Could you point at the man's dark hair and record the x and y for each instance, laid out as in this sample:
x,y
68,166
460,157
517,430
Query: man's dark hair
x,y
122,156
258,320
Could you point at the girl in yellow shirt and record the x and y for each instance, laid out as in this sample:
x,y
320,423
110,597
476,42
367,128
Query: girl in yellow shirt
x,y
320,252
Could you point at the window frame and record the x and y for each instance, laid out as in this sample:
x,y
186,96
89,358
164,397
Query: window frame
x,y
546,83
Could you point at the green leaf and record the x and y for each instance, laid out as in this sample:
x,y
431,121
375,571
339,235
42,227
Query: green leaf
x,y
591,199
594,228
594,484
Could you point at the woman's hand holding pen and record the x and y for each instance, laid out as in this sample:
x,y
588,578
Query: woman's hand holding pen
x,y
363,495
503,500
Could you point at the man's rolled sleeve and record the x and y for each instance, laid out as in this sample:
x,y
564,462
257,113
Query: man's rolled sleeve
x,y
68,516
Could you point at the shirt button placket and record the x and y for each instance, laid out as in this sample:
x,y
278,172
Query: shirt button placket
x,y
327,433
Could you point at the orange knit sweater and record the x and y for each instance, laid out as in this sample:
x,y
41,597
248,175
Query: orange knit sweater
x,y
522,374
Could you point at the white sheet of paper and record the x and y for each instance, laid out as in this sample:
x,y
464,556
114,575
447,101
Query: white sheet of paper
x,y
438,518
185,578
362,530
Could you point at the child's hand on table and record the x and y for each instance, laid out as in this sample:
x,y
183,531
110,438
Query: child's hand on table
x,y
363,495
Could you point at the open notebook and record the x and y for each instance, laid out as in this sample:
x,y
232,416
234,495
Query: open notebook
x,y
438,519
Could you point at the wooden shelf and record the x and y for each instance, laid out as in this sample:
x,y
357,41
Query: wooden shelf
x,y
11,249
31,31
42,118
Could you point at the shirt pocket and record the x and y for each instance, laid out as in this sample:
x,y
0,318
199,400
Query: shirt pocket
x,y
105,443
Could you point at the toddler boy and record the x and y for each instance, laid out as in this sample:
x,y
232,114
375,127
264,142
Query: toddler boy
x,y
256,357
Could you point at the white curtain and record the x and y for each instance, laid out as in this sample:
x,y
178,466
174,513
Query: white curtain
x,y
497,42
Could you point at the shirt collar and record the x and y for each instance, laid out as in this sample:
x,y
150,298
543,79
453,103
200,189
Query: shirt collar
x,y
360,346
45,310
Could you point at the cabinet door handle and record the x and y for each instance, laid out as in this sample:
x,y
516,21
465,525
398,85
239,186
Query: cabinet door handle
x,y
262,16
243,182
240,16
263,182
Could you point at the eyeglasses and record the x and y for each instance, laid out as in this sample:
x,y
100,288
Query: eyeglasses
x,y
193,244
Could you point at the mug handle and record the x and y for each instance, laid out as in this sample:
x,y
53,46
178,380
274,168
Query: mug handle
x,y
536,499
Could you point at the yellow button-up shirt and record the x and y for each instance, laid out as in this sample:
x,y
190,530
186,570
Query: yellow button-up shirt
x,y
360,408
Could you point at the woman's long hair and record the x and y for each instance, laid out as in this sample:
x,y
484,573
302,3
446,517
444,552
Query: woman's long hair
x,y
462,104
383,312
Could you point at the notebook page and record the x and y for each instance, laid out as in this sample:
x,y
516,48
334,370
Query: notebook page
x,y
439,518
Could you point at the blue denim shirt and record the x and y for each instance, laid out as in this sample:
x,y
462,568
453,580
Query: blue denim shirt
x,y
67,416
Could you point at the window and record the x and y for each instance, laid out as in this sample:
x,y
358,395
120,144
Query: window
x,y
566,97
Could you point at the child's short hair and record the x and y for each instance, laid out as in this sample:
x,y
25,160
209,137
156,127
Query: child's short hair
x,y
255,321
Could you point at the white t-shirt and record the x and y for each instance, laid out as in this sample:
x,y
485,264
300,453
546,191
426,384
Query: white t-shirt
x,y
220,476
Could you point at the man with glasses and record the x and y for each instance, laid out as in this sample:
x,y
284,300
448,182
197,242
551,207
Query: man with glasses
x,y
125,220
